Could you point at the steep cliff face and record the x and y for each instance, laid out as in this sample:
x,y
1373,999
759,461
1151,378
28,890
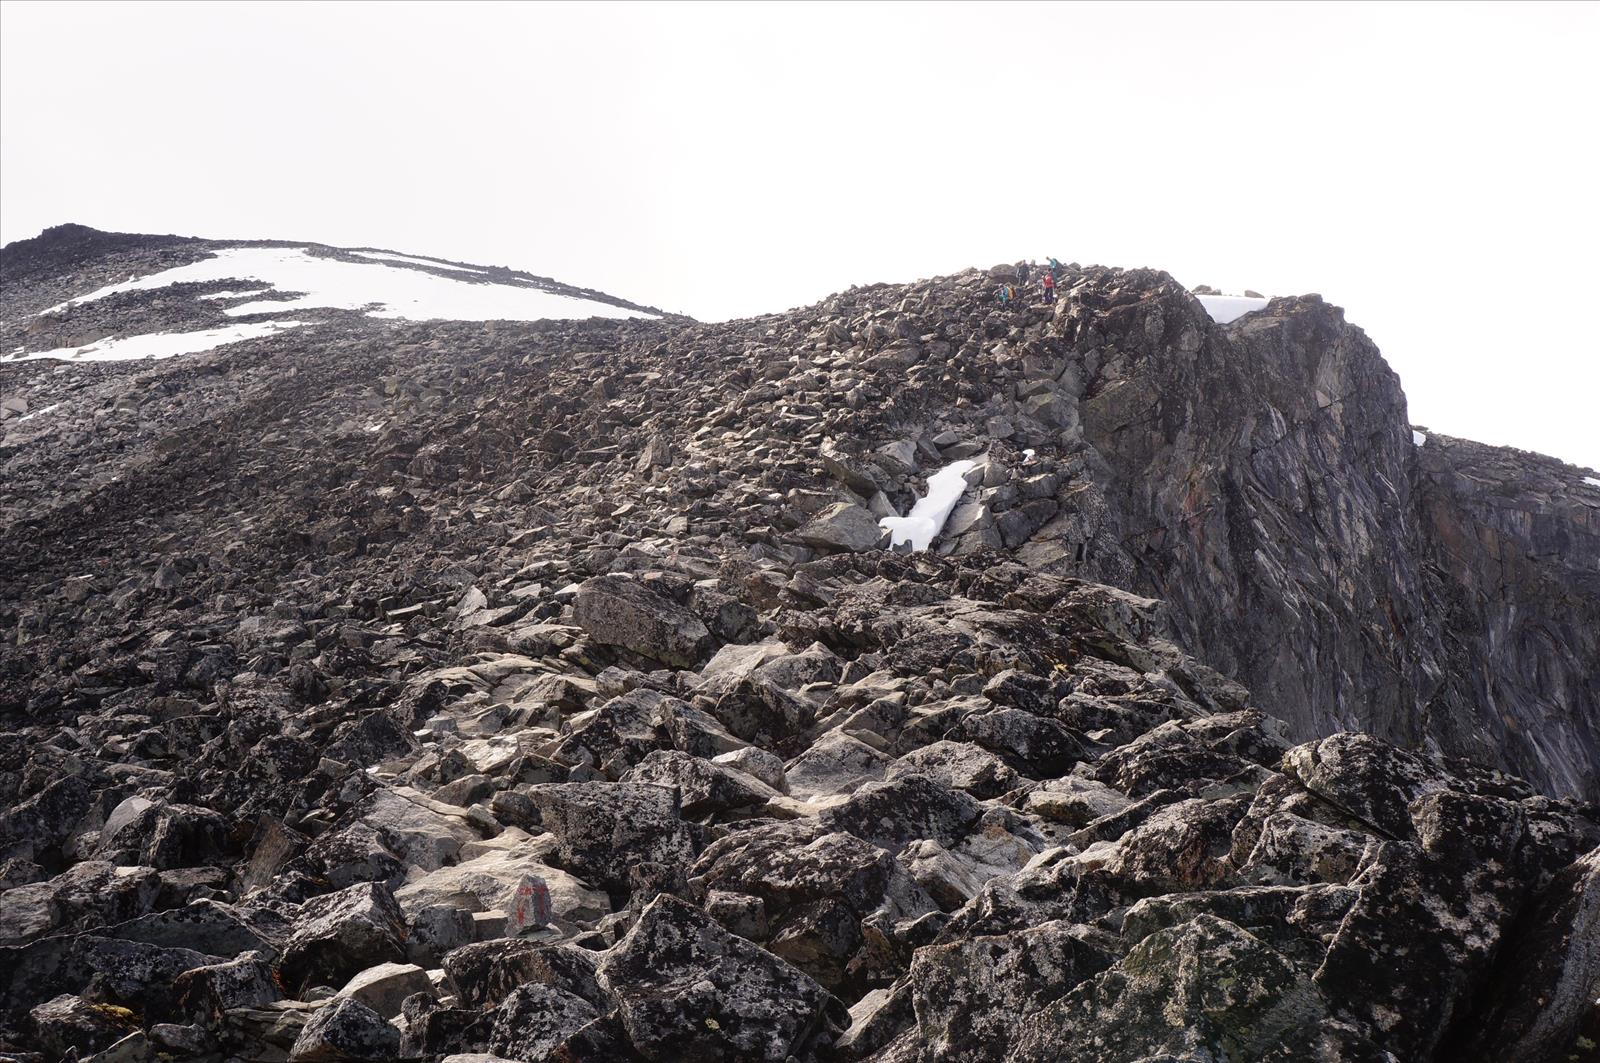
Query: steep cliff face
x,y
1513,542
1262,477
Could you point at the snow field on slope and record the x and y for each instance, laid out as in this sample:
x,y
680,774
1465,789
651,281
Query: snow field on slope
x,y
381,290
1226,308
927,516
161,344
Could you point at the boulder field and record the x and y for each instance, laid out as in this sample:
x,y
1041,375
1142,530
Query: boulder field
x,y
550,691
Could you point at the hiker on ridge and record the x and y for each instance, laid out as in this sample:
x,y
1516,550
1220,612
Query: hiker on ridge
x,y
1022,272
1049,287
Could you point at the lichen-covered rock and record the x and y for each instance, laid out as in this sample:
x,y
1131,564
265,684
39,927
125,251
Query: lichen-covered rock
x,y
1546,987
891,813
340,934
247,980
975,998
687,989
626,836
345,1031
960,766
1369,779
703,788
483,974
1234,998
70,1025
534,1019
619,611
90,893
813,895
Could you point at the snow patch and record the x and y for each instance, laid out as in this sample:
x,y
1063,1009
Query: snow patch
x,y
384,256
927,517
1226,308
1418,438
1591,481
161,344
39,413
379,290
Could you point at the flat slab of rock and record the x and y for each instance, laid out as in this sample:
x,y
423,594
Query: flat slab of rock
x,y
383,988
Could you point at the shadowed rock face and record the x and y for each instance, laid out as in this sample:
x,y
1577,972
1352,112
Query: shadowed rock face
x,y
1262,479
323,652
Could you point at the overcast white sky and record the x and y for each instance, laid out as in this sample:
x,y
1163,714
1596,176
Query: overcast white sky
x,y
1432,168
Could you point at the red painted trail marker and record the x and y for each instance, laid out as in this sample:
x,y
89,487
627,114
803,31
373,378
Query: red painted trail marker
x,y
530,909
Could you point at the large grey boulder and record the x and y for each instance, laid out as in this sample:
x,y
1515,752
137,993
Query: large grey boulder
x,y
703,788
623,836
687,989
68,1025
842,526
1548,985
345,1031
1205,990
619,611
534,1020
974,998
340,934
483,974
247,980
385,987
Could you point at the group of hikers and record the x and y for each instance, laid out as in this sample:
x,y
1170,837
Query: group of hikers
x,y
1047,279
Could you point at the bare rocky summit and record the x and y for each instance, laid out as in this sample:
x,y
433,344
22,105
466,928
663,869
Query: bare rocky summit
x,y
382,689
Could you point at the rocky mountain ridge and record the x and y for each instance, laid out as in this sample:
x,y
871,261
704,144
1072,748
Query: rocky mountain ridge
x,y
321,642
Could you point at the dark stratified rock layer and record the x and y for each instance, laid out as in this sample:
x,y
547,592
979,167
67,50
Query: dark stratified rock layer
x,y
324,654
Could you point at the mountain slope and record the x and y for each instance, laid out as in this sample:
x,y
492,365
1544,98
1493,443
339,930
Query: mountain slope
x,y
331,635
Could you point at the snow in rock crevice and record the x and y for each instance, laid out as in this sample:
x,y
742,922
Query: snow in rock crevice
x,y
379,289
1418,438
926,519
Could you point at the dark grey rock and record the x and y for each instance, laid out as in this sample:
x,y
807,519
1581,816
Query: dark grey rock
x,y
345,1031
687,989
341,934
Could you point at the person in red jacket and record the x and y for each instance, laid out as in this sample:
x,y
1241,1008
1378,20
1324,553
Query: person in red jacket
x,y
1049,288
